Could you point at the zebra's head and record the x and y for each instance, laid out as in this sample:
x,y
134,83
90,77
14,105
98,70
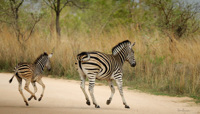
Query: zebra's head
x,y
125,52
130,57
43,61
48,63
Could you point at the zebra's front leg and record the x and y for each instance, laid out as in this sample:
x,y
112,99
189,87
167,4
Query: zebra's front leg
x,y
35,90
112,92
83,89
91,90
28,90
39,81
119,85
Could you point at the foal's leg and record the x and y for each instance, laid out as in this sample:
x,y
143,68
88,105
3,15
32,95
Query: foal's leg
x,y
35,90
27,89
20,89
39,81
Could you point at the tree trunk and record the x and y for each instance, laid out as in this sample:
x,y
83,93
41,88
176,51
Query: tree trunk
x,y
57,20
58,25
52,24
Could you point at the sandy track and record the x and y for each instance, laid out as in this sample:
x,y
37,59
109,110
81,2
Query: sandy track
x,y
65,96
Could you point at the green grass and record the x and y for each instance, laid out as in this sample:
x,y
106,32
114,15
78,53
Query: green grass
x,y
144,88
197,98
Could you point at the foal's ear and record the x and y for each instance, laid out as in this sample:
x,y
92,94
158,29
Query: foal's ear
x,y
50,55
45,53
132,45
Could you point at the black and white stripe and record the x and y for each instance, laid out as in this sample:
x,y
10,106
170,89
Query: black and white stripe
x,y
97,65
31,74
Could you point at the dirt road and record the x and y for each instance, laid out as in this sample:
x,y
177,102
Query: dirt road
x,y
65,96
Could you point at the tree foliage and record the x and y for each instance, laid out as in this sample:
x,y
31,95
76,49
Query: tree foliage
x,y
176,16
100,16
12,15
57,6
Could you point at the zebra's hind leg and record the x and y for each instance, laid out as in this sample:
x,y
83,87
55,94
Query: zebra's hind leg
x,y
83,89
91,88
119,85
39,80
35,90
20,89
112,92
27,89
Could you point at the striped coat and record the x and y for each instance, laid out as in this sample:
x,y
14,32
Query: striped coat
x,y
31,73
101,66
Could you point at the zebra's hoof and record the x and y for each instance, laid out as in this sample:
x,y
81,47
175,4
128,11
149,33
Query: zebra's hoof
x,y
32,97
29,98
26,103
88,102
40,99
108,102
97,106
126,106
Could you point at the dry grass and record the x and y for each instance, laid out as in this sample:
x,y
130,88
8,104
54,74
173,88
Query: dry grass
x,y
161,65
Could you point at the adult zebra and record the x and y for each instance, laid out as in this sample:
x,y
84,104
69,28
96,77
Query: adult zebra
x,y
97,65
31,74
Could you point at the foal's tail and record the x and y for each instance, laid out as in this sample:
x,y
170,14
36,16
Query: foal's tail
x,y
11,79
13,75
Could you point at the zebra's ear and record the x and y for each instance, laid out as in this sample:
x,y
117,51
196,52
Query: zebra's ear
x,y
45,53
132,45
50,55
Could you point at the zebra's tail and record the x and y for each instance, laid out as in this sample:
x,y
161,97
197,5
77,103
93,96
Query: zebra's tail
x,y
11,79
84,56
13,75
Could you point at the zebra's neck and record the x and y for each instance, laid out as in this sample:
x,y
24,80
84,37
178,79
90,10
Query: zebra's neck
x,y
121,56
40,64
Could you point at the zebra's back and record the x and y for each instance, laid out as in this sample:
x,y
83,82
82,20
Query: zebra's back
x,y
99,64
24,70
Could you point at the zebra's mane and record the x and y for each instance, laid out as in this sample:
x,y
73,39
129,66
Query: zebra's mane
x,y
123,44
39,57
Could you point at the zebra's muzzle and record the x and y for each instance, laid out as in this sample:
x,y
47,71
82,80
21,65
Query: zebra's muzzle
x,y
133,65
49,69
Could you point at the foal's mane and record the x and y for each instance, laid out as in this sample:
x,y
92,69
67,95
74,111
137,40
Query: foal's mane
x,y
44,54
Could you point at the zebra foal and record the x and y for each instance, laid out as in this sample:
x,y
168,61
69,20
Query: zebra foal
x,y
101,66
31,74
